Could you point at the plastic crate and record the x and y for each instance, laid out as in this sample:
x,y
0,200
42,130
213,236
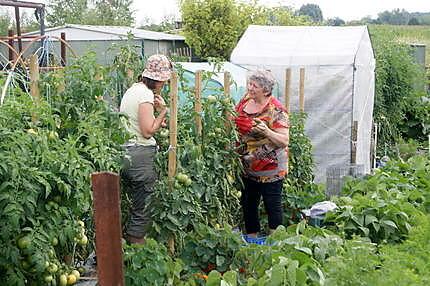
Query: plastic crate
x,y
255,240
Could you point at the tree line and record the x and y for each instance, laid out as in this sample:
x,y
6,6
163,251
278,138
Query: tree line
x,y
84,12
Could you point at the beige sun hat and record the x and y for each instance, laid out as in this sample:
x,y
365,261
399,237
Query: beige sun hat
x,y
158,67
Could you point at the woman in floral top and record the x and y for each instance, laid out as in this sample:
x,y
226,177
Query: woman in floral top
x,y
262,122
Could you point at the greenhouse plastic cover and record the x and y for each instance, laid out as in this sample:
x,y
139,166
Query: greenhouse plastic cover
x,y
238,75
339,83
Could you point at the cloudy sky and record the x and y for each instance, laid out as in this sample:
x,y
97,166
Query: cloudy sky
x,y
155,10
345,9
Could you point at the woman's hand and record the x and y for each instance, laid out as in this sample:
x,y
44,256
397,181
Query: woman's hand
x,y
159,103
260,127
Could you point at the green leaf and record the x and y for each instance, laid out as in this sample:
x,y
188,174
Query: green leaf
x,y
389,223
230,277
370,219
277,276
220,260
214,278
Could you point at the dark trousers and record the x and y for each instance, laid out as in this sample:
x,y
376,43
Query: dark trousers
x,y
272,198
140,175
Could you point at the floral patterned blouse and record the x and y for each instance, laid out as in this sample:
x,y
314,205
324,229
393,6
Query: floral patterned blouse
x,y
262,160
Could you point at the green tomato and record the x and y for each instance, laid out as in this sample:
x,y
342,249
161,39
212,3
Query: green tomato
x,y
48,278
188,182
76,273
83,241
164,133
63,280
24,242
211,98
182,178
52,268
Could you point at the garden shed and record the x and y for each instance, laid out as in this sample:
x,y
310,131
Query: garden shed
x,y
102,40
339,85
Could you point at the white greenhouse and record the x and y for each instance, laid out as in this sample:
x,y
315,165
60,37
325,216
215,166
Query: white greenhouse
x,y
338,88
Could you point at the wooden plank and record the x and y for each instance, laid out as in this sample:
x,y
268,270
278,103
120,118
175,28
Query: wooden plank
x,y
107,218
354,134
198,102
10,41
63,49
34,78
227,97
302,90
173,125
287,88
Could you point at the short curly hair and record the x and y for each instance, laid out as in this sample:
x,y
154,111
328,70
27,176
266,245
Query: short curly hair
x,y
263,78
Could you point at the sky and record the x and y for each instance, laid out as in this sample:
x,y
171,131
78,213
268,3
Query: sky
x,y
155,10
345,9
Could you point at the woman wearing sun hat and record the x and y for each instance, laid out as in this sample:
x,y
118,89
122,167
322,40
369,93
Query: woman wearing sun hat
x,y
140,103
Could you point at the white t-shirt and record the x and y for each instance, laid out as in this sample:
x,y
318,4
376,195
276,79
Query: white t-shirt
x,y
138,93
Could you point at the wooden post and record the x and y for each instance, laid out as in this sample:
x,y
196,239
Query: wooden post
x,y
302,90
354,131
198,102
63,49
173,128
173,141
34,79
227,97
107,218
18,28
10,42
287,88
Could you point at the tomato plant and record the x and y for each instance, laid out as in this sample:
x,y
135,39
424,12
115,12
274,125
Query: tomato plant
x,y
47,151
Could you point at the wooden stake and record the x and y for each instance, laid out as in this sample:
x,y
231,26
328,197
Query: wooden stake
x,y
302,90
173,126
107,218
63,50
354,131
34,78
227,97
10,41
287,88
198,102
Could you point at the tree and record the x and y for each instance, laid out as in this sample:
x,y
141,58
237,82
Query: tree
x,y
62,12
167,24
112,12
210,27
395,17
5,22
335,22
413,21
87,12
284,16
313,11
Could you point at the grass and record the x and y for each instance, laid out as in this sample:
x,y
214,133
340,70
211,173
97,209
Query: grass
x,y
408,34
